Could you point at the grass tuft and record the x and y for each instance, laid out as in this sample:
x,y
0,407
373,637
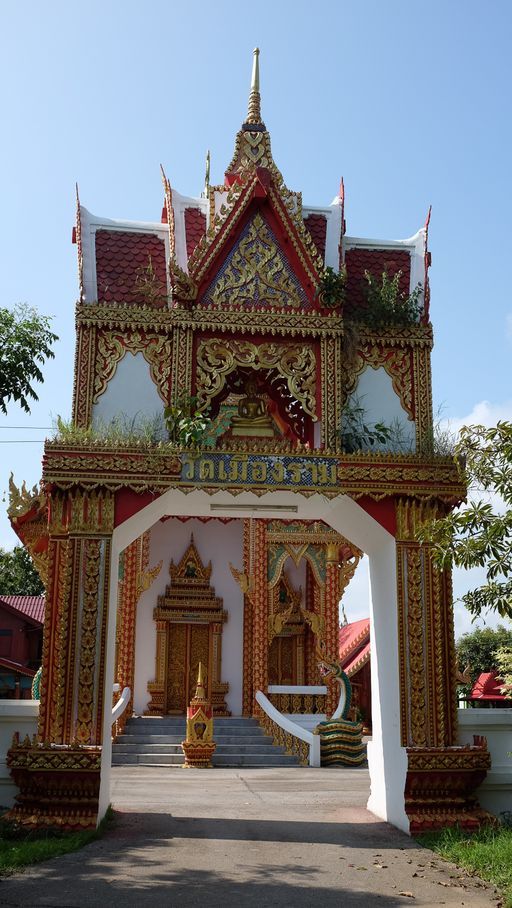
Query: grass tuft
x,y
20,847
486,853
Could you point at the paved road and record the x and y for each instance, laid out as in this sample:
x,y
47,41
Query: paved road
x,y
223,837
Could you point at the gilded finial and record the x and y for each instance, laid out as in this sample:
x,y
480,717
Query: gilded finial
x,y
207,174
254,108
200,694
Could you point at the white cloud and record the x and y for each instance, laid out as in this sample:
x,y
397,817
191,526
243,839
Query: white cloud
x,y
483,413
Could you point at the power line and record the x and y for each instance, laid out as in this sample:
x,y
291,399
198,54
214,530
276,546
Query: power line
x,y
23,441
27,428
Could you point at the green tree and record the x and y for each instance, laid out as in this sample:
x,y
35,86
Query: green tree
x,y
479,534
504,666
18,575
478,651
25,344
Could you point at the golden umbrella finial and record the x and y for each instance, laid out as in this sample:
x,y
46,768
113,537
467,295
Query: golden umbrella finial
x,y
200,682
254,108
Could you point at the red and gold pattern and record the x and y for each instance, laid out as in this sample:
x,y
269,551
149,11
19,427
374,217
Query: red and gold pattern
x,y
440,786
259,600
57,787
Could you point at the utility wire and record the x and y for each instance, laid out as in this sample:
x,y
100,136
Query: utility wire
x,y
25,428
22,441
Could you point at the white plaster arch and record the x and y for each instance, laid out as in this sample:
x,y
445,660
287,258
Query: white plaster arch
x,y
131,393
374,392
386,757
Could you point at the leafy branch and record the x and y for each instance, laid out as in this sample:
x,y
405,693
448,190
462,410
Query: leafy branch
x,y
387,305
25,344
479,534
332,287
187,425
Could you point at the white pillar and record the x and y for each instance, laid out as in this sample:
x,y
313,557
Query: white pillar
x,y
387,759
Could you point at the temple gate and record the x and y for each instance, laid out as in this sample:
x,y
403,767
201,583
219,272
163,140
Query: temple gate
x,y
230,301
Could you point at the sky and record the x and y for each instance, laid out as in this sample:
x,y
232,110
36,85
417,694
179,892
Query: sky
x,y
410,102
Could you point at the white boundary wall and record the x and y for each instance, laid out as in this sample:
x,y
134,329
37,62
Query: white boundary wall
x,y
20,716
495,794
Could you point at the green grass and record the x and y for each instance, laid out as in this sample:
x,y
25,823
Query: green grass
x,y
19,847
486,853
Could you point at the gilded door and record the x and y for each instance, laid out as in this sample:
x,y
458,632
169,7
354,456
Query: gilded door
x,y
187,646
282,661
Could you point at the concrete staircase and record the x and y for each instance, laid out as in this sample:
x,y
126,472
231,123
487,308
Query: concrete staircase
x,y
155,741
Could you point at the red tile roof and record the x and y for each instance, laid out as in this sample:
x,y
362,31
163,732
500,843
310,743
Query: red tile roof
x,y
195,228
357,661
375,261
317,226
121,259
29,606
488,687
352,635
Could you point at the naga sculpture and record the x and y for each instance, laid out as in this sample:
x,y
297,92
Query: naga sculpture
x,y
341,739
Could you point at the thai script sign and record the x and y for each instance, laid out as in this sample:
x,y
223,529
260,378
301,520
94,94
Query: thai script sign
x,y
270,471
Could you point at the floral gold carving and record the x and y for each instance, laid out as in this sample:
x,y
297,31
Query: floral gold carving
x,y
218,358
112,347
256,272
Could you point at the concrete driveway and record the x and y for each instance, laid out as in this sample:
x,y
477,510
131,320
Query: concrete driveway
x,y
260,837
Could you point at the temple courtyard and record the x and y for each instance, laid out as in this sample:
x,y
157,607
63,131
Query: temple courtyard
x,y
295,837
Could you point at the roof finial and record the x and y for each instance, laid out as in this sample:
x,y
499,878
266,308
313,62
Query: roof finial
x,y
254,108
207,175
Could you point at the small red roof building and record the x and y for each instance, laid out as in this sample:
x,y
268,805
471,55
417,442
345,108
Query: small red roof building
x,y
355,661
21,643
488,686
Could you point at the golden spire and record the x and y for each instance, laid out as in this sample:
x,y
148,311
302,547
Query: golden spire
x,y
254,108
200,693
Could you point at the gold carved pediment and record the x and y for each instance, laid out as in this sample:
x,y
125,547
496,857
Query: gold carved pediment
x,y
256,273
190,569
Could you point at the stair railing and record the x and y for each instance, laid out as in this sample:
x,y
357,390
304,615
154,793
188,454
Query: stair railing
x,y
288,734
122,703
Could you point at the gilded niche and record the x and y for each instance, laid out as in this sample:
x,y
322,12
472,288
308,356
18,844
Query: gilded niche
x,y
256,273
218,357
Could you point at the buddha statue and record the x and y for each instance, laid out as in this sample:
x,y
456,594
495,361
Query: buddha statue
x,y
252,419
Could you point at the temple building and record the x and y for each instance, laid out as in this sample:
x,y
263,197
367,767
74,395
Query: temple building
x,y
248,419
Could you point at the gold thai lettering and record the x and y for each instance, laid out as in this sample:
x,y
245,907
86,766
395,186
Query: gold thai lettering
x,y
295,471
189,464
259,471
233,470
238,469
207,469
322,474
278,472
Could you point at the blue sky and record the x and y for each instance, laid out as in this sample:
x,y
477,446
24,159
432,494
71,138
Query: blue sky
x,y
409,101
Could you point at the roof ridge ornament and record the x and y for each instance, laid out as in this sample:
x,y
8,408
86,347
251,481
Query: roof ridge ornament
x,y
254,106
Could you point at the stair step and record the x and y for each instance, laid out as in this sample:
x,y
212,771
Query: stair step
x,y
156,741
177,739
179,731
250,759
176,748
